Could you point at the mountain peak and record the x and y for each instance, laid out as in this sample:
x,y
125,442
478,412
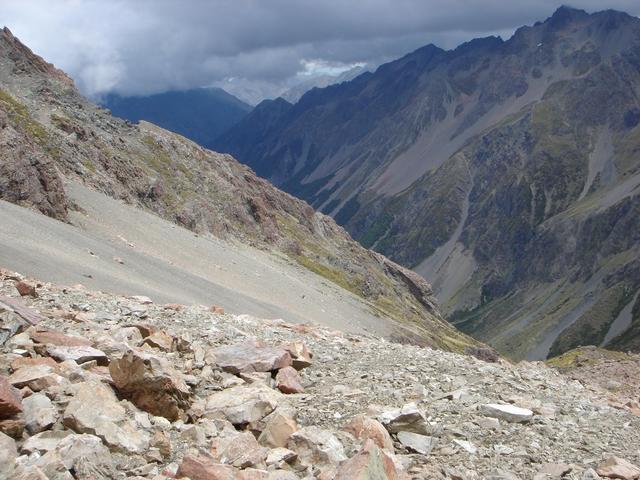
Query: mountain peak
x,y
564,15
26,61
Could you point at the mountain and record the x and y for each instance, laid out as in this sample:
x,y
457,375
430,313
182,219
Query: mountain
x,y
505,172
200,114
69,159
295,93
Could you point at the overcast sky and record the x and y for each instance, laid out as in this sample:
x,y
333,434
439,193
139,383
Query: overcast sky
x,y
150,46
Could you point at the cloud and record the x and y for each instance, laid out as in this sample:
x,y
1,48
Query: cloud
x,y
149,46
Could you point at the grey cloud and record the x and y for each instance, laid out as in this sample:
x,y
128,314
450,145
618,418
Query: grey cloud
x,y
147,46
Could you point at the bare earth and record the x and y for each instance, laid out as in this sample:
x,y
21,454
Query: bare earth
x,y
170,264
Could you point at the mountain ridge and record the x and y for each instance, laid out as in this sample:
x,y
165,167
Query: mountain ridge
x,y
491,169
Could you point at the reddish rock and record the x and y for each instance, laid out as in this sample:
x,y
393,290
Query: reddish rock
x,y
13,427
616,467
251,356
26,290
10,399
51,337
365,428
288,381
370,463
216,309
152,384
29,362
146,329
300,354
161,340
278,430
176,307
19,308
202,468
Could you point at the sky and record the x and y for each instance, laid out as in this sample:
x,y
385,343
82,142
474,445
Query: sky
x,y
253,48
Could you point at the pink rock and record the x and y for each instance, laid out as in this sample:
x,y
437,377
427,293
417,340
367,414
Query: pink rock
x,y
371,462
10,399
288,381
26,290
52,337
365,428
616,467
202,468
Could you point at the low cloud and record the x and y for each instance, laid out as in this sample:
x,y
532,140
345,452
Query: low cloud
x,y
149,46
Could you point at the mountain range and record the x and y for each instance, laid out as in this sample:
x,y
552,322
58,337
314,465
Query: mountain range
x,y
507,173
200,114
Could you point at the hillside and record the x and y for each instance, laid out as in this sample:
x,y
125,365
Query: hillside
x,y
51,135
507,173
200,114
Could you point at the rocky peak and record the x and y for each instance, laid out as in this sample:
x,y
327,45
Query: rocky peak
x,y
27,62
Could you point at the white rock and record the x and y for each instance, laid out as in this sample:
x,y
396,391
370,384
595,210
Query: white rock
x,y
418,443
508,413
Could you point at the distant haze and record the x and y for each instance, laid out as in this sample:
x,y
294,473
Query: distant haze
x,y
262,48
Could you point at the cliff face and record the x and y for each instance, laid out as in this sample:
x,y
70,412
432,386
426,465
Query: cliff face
x,y
50,133
505,172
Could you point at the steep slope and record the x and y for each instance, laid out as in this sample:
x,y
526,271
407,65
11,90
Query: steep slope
x,y
200,114
51,129
505,172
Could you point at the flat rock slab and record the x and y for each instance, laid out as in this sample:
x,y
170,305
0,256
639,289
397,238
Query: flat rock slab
x,y
418,443
242,405
51,337
252,356
21,309
616,467
79,355
508,413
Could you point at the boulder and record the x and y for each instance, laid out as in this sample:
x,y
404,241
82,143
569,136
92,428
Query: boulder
x,y
28,362
26,289
416,442
52,337
508,413
14,427
161,340
44,441
241,451
95,409
78,354
39,413
278,429
615,467
84,454
36,377
288,381
406,419
316,446
151,384
8,454
371,463
242,405
365,428
251,356
10,399
301,356
203,468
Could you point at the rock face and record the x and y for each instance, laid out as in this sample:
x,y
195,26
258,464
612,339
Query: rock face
x,y
405,158
49,133
151,384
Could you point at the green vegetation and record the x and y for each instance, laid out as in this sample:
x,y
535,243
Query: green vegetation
x,y
20,118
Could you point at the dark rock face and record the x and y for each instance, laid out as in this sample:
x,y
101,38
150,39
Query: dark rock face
x,y
506,173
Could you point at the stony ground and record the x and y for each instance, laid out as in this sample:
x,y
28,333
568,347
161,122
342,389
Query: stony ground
x,y
117,387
